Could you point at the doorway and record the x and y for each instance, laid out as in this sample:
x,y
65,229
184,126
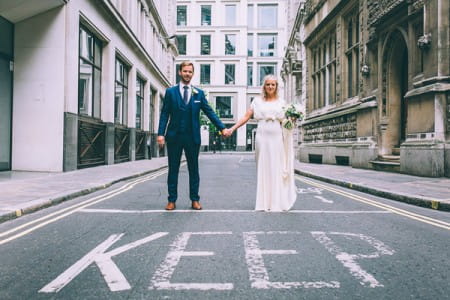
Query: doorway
x,y
396,76
6,79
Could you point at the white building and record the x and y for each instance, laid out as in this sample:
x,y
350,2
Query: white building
x,y
233,45
81,81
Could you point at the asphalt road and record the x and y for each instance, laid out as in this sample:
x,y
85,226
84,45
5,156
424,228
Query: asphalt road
x,y
119,243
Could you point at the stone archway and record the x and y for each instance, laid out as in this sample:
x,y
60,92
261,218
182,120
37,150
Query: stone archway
x,y
395,86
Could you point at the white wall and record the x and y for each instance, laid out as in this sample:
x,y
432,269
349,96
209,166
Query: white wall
x,y
38,103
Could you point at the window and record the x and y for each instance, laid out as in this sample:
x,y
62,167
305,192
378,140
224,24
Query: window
x,y
229,73
267,44
139,101
121,93
250,20
230,15
249,74
181,15
250,44
205,74
177,76
89,74
206,15
324,71
181,43
223,106
264,70
352,54
267,16
205,44
230,44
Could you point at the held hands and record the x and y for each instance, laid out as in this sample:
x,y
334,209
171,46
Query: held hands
x,y
227,132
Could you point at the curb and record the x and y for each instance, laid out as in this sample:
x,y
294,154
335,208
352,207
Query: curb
x,y
418,201
47,202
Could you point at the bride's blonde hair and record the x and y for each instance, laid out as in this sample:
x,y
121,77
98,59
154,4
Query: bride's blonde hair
x,y
269,77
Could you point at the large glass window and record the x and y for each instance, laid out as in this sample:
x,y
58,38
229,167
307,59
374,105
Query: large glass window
x,y
223,106
324,71
177,76
206,15
181,43
230,44
229,73
266,69
250,74
267,16
121,93
230,15
205,45
250,44
250,20
267,44
352,54
181,15
139,101
205,74
89,74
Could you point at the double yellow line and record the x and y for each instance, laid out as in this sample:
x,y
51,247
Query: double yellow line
x,y
395,210
28,227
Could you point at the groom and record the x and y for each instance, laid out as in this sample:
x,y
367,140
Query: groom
x,y
180,114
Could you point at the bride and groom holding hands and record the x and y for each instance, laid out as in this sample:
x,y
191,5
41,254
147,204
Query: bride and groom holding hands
x,y
179,129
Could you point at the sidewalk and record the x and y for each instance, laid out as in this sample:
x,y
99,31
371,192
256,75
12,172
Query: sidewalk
x,y
25,192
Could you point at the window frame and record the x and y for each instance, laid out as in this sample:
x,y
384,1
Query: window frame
x,y
179,21
94,100
202,50
202,21
140,94
232,68
121,116
181,37
261,51
202,74
230,38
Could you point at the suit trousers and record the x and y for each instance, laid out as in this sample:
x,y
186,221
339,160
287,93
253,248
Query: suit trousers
x,y
175,148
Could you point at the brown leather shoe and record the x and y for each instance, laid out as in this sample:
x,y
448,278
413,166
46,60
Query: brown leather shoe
x,y
196,205
170,206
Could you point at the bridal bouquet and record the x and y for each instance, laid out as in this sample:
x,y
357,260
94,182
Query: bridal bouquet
x,y
292,113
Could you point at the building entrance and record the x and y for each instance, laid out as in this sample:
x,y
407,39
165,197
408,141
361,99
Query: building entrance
x,y
6,53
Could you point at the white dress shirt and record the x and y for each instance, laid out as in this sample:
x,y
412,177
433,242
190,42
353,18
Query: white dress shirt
x,y
182,91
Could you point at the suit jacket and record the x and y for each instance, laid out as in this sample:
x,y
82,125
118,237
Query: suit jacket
x,y
171,113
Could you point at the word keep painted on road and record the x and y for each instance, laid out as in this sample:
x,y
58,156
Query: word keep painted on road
x,y
258,274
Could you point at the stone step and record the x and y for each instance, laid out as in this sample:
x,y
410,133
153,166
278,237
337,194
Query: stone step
x,y
387,166
393,158
395,151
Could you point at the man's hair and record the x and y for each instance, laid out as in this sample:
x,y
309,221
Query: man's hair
x,y
185,64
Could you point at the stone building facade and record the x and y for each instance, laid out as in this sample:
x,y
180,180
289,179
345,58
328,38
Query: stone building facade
x,y
377,83
82,81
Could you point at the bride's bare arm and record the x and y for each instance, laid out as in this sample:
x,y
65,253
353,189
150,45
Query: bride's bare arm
x,y
243,120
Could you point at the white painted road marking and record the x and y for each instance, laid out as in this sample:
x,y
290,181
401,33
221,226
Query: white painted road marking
x,y
349,260
324,200
203,211
114,278
161,278
259,276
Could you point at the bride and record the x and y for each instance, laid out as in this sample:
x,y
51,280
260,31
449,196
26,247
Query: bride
x,y
276,189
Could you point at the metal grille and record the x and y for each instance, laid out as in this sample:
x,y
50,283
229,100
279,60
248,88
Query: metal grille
x,y
121,145
91,143
140,144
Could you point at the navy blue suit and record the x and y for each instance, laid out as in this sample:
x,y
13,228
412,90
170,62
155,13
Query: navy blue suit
x,y
180,124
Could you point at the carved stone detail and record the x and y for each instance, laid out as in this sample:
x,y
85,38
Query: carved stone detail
x,y
341,128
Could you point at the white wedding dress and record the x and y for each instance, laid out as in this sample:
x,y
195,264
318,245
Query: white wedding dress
x,y
275,190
